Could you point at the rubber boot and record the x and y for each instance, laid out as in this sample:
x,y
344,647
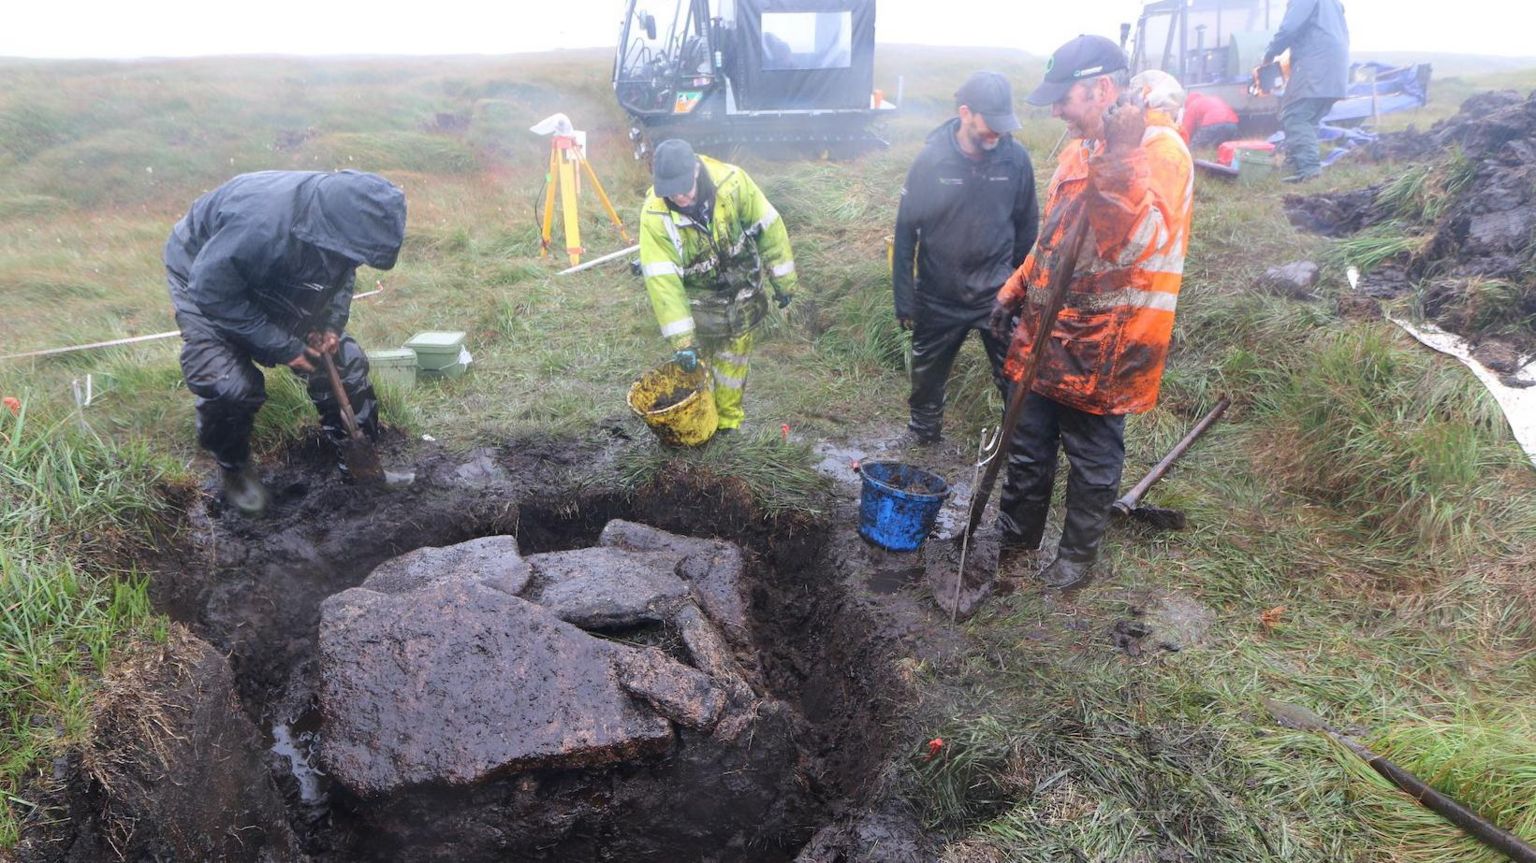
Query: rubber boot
x,y
243,490
1082,532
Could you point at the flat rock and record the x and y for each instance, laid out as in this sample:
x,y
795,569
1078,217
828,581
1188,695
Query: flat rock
x,y
608,588
1295,280
493,560
682,694
458,681
714,569
705,645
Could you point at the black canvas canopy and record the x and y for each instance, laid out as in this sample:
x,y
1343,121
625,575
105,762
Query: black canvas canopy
x,y
805,54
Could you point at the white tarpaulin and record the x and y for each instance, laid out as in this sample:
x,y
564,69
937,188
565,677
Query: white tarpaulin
x,y
1519,405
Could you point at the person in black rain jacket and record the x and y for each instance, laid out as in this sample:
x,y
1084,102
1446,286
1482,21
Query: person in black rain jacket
x,y
968,216
261,270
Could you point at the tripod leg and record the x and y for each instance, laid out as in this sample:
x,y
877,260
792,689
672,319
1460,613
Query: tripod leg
x,y
603,196
551,184
568,204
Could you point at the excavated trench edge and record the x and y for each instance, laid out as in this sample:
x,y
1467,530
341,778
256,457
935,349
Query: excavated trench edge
x,y
820,654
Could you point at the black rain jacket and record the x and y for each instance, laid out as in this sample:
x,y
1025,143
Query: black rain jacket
x,y
270,256
969,223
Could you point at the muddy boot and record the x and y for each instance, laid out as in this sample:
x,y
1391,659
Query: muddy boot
x,y
243,490
1082,532
1020,526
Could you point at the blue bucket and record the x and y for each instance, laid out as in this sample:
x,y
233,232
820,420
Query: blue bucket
x,y
899,504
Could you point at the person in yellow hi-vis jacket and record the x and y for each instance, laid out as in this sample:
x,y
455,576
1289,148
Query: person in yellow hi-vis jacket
x,y
708,237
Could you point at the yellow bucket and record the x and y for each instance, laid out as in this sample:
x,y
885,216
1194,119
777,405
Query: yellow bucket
x,y
678,406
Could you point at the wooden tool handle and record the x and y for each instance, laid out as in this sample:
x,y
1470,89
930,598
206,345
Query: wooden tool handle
x,y
348,418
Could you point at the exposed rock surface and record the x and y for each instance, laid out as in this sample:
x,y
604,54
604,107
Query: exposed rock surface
x,y
605,588
457,681
714,569
491,559
680,693
1294,280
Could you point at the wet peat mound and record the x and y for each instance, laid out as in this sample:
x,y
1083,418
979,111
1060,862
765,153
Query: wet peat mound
x,y
1466,216
352,678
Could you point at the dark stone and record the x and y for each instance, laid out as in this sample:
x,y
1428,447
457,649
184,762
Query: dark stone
x,y
607,588
491,559
682,694
715,570
457,682
1498,356
1294,280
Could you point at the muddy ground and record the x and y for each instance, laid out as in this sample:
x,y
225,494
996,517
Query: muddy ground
x,y
843,619
1475,272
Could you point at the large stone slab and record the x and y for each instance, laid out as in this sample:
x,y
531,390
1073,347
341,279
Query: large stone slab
x,y
607,588
458,680
491,559
714,569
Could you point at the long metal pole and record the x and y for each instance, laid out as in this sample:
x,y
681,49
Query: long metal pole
x,y
595,261
1128,501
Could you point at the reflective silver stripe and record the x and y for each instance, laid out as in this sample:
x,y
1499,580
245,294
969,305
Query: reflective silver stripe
x,y
701,266
677,241
677,328
765,222
733,359
661,268
1126,297
783,269
731,383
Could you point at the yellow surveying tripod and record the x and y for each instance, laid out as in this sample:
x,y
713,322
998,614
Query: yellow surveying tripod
x,y
566,151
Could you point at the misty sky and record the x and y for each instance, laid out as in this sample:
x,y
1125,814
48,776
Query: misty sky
x,y
72,28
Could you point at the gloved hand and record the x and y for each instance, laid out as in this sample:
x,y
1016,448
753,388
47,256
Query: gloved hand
x,y
1001,321
1124,125
687,358
783,300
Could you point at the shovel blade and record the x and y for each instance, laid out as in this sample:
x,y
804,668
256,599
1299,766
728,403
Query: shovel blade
x,y
362,461
960,594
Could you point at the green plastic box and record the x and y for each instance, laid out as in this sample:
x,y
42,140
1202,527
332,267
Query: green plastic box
x,y
436,350
397,365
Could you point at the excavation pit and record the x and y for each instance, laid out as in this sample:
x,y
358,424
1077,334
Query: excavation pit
x,y
484,667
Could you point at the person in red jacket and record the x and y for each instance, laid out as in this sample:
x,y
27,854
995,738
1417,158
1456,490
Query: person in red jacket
x,y
1130,176
1207,120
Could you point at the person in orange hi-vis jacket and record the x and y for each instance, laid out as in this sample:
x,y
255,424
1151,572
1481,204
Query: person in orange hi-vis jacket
x,y
1130,176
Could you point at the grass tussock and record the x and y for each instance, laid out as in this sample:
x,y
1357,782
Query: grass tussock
x,y
778,475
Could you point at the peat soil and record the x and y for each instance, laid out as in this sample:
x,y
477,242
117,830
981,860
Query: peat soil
x,y
833,620
1482,236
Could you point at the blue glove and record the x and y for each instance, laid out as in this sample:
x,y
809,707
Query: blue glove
x,y
783,300
687,359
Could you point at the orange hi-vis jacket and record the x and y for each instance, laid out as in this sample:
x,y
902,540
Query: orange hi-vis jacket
x,y
1106,352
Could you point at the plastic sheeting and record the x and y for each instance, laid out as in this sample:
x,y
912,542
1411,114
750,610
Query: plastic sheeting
x,y
805,54
1518,404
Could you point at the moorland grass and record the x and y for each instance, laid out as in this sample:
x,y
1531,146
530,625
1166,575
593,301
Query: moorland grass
x,y
1362,526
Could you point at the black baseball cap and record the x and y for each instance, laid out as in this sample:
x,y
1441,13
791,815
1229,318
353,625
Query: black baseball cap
x,y
990,95
673,168
1081,59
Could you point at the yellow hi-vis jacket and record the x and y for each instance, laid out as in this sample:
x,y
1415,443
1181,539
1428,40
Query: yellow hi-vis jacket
x,y
692,290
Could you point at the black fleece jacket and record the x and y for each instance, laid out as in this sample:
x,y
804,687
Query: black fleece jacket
x,y
968,222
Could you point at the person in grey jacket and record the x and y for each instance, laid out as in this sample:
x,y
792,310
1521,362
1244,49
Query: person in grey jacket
x,y
969,217
1318,39
261,271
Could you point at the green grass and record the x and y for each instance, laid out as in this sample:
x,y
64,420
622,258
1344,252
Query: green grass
x,y
1362,484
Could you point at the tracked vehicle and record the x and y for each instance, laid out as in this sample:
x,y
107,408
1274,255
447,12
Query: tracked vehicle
x,y
792,76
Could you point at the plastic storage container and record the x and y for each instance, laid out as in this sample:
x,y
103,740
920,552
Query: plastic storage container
x,y
437,350
398,366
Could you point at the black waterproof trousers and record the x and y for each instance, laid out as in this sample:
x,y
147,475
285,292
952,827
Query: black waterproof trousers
x,y
230,389
936,340
1095,446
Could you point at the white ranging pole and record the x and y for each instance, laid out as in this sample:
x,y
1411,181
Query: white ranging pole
x,y
595,261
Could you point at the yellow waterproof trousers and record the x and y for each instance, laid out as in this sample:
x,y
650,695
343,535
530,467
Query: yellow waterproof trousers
x,y
729,361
